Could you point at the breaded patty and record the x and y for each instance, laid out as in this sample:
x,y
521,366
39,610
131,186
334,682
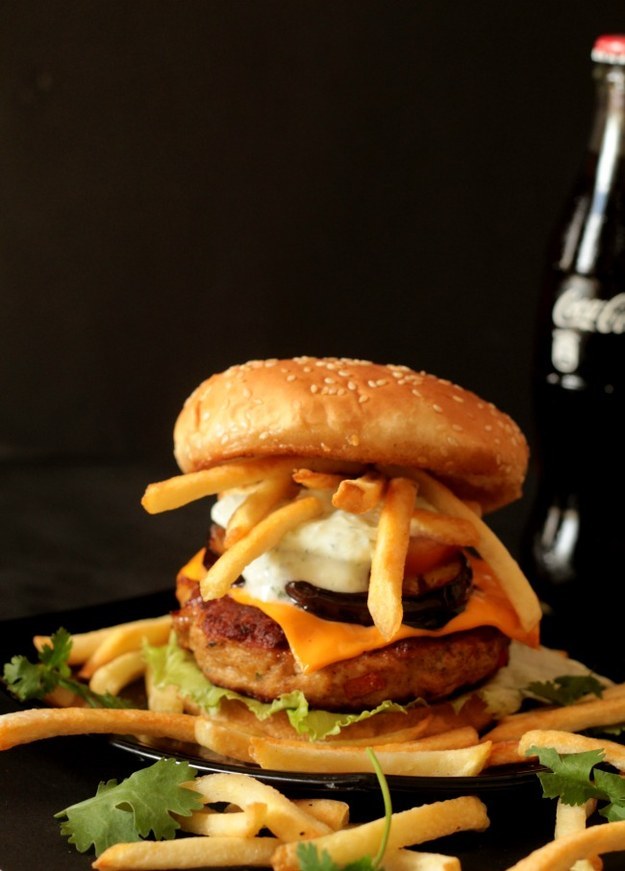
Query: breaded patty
x,y
241,648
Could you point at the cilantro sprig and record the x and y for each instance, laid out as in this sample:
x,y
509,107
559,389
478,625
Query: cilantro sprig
x,y
567,689
574,778
140,805
310,859
34,680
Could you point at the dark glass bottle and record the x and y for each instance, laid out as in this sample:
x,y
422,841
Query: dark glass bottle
x,y
575,542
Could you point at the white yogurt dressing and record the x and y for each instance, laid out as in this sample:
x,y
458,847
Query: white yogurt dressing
x,y
332,551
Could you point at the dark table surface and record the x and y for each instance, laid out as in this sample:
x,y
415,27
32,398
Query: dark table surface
x,y
76,547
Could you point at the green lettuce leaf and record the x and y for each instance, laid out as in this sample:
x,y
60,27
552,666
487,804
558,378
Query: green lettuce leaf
x,y
171,665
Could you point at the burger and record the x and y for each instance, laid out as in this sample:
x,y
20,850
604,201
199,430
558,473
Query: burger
x,y
347,568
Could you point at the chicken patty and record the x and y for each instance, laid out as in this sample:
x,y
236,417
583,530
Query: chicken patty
x,y
241,648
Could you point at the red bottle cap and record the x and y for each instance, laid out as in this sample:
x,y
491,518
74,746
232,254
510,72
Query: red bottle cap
x,y
609,49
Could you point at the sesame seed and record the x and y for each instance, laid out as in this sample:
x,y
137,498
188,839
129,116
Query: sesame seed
x,y
437,408
457,398
352,385
363,398
291,377
329,380
488,427
314,388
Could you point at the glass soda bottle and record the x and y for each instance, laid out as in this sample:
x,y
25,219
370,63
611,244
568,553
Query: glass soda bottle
x,y
574,551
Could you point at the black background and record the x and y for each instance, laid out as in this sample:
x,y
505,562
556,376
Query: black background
x,y
185,185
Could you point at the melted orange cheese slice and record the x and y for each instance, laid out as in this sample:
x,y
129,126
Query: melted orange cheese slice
x,y
316,643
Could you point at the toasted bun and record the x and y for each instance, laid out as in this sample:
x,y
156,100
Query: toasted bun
x,y
356,411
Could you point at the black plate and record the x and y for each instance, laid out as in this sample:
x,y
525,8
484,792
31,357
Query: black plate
x,y
206,762
16,635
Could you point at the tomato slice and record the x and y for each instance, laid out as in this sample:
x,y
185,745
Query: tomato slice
x,y
424,555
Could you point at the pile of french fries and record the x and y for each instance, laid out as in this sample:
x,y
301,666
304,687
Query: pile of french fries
x,y
235,837
277,503
421,742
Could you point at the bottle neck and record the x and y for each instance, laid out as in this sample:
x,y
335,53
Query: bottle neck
x,y
607,148
609,117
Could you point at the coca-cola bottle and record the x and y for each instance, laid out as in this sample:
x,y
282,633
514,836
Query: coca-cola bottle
x,y
574,551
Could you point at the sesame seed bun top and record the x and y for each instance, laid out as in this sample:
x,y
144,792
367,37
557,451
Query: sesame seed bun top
x,y
356,411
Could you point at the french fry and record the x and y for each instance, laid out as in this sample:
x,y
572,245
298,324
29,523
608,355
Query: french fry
x,y
389,556
404,759
127,637
224,739
411,860
263,499
192,852
571,819
504,753
510,577
330,811
561,854
286,820
443,528
85,644
414,826
358,495
162,698
569,742
22,727
223,573
242,824
317,480
118,673
570,718
182,489
61,697
410,733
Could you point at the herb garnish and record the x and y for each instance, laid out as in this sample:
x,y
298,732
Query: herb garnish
x,y
567,689
574,779
130,810
310,859
34,680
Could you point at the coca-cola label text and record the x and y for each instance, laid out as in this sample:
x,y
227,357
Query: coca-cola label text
x,y
578,308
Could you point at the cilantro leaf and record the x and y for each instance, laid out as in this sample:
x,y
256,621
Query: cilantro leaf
x,y
132,809
616,729
28,680
613,786
567,689
34,680
569,777
311,859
